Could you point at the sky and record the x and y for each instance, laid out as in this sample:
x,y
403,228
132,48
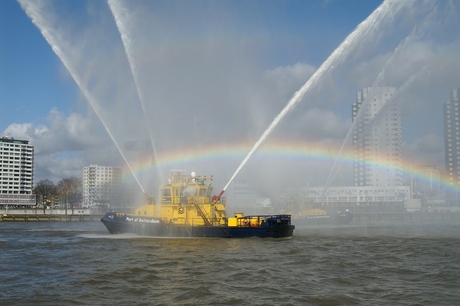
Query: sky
x,y
151,86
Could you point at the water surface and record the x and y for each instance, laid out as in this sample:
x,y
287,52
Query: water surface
x,y
379,263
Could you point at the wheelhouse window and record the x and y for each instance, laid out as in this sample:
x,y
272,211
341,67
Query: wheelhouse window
x,y
203,192
166,195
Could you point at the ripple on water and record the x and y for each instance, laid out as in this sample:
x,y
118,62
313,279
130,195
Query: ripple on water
x,y
330,268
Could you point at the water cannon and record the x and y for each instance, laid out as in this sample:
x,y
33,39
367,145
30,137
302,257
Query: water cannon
x,y
150,200
216,198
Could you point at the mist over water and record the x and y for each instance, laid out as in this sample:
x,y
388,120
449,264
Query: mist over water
x,y
39,13
117,12
166,93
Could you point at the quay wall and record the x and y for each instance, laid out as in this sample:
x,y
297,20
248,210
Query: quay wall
x,y
407,216
35,215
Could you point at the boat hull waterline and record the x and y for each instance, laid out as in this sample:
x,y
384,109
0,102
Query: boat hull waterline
x,y
117,223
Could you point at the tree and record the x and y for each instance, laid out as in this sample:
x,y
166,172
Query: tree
x,y
70,190
45,191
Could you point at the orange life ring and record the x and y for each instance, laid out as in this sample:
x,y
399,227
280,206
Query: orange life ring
x,y
245,222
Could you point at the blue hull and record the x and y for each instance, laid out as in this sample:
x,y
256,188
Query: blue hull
x,y
117,223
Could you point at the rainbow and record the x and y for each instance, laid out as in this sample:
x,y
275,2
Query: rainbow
x,y
283,150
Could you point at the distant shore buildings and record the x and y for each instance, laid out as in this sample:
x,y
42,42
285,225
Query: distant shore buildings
x,y
379,182
102,186
16,172
377,161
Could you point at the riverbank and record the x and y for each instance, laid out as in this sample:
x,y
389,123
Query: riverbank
x,y
49,218
49,215
407,216
85,215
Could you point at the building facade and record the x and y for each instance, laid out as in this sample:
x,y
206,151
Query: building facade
x,y
377,138
16,172
426,186
357,198
101,186
452,138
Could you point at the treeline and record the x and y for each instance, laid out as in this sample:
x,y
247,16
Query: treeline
x,y
67,191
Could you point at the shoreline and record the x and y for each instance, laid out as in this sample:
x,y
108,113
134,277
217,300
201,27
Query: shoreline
x,y
49,218
407,216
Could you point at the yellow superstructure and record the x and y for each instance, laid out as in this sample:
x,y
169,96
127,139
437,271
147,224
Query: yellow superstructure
x,y
186,200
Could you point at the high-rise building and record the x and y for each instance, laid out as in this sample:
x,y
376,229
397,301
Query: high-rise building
x,y
452,138
101,186
16,172
427,186
377,141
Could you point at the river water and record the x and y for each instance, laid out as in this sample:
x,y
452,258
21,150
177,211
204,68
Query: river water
x,y
380,263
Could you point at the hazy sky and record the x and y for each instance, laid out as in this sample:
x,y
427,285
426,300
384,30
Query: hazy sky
x,y
202,80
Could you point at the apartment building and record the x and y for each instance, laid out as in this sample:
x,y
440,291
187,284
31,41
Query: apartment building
x,y
101,186
377,139
16,172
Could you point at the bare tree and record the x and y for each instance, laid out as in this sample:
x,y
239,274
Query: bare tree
x,y
70,191
45,191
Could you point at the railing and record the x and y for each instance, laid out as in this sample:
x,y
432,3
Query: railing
x,y
263,220
202,212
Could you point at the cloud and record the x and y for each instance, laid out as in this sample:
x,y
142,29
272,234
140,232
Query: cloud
x,y
288,79
71,133
62,146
